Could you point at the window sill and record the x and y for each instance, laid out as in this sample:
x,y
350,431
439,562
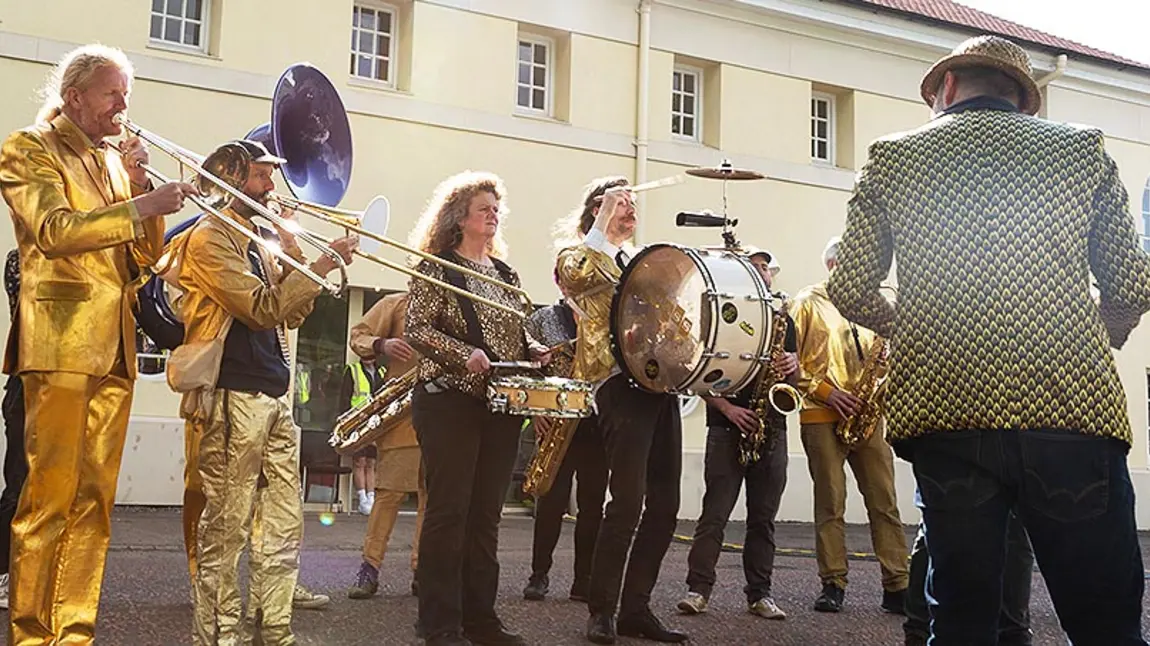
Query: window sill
x,y
377,86
819,163
687,141
538,116
173,48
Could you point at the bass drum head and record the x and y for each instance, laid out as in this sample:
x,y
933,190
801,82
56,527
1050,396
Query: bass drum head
x,y
658,315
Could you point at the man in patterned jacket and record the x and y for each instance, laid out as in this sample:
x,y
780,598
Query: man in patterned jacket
x,y
1003,388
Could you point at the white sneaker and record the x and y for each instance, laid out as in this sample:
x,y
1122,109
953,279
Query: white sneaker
x,y
371,497
693,604
308,600
4,591
767,609
365,506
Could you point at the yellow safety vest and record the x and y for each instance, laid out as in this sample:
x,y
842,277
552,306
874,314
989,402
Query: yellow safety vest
x,y
361,392
303,386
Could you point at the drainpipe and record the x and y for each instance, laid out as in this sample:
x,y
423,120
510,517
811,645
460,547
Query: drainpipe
x,y
1059,69
643,105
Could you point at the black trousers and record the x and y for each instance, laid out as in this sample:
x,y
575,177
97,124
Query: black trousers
x,y
468,455
724,478
15,464
586,458
643,438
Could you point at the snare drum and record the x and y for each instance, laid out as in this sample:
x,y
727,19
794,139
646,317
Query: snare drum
x,y
691,321
539,396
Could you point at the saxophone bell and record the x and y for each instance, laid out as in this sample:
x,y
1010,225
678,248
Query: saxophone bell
x,y
785,398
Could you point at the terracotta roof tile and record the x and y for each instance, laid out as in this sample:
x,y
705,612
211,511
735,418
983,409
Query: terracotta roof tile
x,y
953,13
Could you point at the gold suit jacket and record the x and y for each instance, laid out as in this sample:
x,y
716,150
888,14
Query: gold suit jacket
x,y
81,244
387,319
218,281
998,220
589,276
828,355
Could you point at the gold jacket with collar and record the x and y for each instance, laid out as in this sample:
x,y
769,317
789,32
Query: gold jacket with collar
x,y
81,244
387,319
998,221
217,278
589,276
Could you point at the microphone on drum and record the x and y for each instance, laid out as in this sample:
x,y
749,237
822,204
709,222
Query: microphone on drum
x,y
704,219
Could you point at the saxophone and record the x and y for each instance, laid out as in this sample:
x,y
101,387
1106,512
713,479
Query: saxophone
x,y
771,390
555,435
363,426
871,389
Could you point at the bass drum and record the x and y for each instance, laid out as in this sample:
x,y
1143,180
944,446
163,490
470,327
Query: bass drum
x,y
690,321
157,312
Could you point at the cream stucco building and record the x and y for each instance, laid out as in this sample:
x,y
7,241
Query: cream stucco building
x,y
549,94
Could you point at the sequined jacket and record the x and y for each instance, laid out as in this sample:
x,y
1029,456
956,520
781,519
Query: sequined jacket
x,y
386,320
998,221
216,276
589,277
829,358
81,244
552,326
436,327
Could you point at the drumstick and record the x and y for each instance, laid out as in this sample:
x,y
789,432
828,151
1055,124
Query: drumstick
x,y
560,346
659,183
533,365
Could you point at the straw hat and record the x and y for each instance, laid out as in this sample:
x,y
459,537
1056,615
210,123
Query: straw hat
x,y
987,51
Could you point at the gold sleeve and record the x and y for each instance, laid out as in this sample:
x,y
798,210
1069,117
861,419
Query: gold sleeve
x,y
32,185
812,340
865,256
1117,260
226,276
377,323
580,269
423,309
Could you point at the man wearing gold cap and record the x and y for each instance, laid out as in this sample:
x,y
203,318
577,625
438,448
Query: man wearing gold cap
x,y
1003,388
86,222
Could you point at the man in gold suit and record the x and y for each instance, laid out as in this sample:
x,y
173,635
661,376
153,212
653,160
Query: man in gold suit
x,y
832,352
398,469
236,292
86,222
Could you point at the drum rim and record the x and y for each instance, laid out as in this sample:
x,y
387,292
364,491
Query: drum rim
x,y
768,319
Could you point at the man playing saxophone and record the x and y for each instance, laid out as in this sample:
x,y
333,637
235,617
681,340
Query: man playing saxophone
x,y
731,424
833,358
398,469
86,221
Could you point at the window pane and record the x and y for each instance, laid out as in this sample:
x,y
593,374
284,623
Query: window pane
x,y
157,27
676,126
677,81
676,103
367,20
385,21
1146,200
540,79
364,67
194,9
688,127
538,100
366,42
822,150
689,104
524,74
355,16
354,39
541,54
383,45
191,34
822,109
814,128
524,51
821,130
383,70
524,98
689,83
172,30
158,6
175,7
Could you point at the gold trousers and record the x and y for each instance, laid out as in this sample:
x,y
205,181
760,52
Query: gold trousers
x,y
193,492
872,463
382,521
248,434
74,439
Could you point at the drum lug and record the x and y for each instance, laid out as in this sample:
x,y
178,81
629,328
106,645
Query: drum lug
x,y
720,295
747,356
716,355
755,299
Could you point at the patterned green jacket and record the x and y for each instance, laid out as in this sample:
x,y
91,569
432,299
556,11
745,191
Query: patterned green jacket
x,y
997,220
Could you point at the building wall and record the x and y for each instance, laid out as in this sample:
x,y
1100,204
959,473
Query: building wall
x,y
453,108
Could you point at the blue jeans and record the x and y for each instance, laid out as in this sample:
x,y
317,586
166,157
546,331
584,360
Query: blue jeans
x,y
1074,496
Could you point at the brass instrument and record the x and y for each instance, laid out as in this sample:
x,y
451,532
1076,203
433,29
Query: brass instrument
x,y
871,389
363,426
555,435
772,390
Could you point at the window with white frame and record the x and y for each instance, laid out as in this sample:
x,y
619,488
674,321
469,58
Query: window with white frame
x,y
180,22
533,83
686,102
373,42
823,128
1146,217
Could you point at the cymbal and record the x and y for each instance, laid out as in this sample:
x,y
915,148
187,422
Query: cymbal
x,y
725,171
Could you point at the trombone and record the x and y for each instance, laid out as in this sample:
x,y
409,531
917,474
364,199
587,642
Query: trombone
x,y
346,219
217,173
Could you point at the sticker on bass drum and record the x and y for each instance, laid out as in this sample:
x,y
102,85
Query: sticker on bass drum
x,y
746,327
729,312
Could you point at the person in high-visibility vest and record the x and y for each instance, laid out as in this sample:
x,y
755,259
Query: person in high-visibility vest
x,y
361,380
